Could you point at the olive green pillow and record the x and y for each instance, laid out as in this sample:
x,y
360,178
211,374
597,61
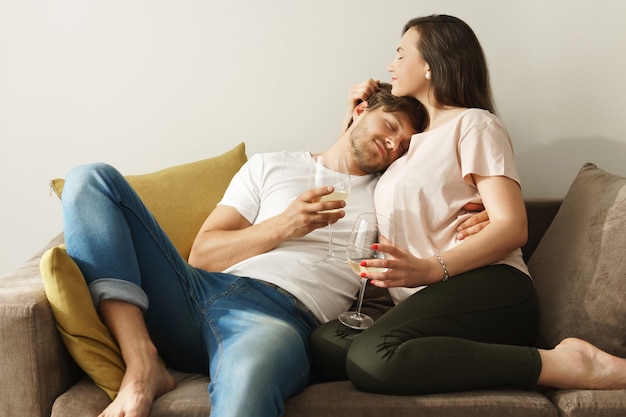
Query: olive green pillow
x,y
181,198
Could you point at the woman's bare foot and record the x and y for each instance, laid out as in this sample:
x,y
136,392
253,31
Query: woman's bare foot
x,y
576,364
142,383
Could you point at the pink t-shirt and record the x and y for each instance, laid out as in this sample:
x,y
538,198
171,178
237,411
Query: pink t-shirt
x,y
424,192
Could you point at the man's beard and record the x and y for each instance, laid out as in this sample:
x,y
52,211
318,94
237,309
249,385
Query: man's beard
x,y
362,156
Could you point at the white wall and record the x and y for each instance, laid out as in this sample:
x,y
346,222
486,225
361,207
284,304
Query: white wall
x,y
147,84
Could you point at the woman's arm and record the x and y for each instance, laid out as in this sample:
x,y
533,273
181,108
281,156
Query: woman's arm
x,y
507,230
358,93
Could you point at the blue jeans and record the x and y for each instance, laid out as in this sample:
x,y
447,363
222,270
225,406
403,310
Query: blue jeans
x,y
250,337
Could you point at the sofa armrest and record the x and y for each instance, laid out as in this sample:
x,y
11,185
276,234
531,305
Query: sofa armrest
x,y
34,364
540,213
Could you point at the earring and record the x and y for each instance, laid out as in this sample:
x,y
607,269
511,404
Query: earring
x,y
428,75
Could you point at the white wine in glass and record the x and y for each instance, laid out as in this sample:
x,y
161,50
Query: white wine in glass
x,y
331,171
368,229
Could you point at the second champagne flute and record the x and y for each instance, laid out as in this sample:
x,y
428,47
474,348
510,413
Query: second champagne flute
x,y
368,229
332,171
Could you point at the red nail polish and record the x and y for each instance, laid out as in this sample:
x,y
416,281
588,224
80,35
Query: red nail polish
x,y
375,246
363,263
363,275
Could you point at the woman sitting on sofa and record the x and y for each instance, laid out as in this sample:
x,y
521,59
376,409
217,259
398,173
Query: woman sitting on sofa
x,y
466,315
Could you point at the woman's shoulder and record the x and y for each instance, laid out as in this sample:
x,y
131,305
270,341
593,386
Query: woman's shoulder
x,y
478,114
474,118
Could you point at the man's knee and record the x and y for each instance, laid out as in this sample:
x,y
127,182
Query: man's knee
x,y
83,175
266,362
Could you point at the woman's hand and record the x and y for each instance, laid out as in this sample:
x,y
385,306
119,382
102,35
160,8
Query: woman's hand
x,y
357,94
404,269
361,92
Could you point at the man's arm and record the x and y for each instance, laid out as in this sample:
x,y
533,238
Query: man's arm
x,y
477,222
227,237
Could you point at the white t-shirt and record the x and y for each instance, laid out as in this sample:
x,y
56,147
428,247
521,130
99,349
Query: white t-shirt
x,y
262,189
424,191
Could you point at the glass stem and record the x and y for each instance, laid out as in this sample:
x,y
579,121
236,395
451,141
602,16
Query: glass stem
x,y
331,252
361,293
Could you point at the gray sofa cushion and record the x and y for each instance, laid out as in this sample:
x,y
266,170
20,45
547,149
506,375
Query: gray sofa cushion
x,y
586,403
333,399
582,254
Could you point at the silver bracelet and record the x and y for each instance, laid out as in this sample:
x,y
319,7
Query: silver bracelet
x,y
445,269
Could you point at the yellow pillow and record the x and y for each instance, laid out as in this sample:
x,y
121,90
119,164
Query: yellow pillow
x,y
86,337
181,198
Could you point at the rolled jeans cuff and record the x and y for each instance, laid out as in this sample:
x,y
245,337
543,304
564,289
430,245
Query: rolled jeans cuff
x,y
120,290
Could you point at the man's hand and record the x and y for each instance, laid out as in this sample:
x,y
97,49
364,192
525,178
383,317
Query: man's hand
x,y
226,237
303,215
474,224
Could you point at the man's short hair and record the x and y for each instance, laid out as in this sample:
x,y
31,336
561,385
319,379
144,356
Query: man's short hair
x,y
410,106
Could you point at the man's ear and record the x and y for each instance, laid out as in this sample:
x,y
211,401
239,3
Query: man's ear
x,y
359,109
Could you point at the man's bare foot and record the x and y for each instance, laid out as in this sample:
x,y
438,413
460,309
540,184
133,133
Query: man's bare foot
x,y
142,383
146,377
576,364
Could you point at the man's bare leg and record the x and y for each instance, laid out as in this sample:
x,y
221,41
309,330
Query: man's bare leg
x,y
146,377
576,364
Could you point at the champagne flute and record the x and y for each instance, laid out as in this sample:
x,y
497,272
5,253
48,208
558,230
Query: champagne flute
x,y
368,229
332,171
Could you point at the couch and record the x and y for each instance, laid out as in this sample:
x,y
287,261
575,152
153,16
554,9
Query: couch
x,y
576,254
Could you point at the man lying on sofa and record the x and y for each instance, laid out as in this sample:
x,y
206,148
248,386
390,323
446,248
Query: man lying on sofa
x,y
248,326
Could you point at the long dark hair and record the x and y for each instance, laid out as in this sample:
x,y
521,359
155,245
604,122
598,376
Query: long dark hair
x,y
458,67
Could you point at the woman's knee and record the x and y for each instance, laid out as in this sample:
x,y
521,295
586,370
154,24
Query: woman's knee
x,y
331,338
329,345
365,363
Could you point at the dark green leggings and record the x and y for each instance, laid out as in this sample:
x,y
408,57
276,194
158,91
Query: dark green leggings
x,y
470,332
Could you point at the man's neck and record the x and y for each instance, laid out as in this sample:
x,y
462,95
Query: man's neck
x,y
342,148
